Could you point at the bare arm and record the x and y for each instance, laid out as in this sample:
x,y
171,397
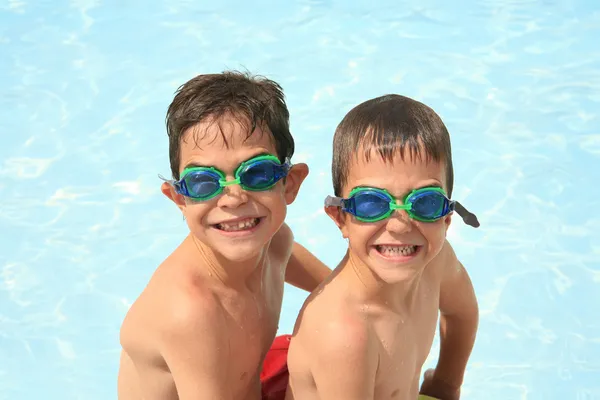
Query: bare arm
x,y
305,270
197,352
343,360
127,388
458,323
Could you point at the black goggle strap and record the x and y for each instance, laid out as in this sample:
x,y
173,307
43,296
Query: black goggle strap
x,y
468,217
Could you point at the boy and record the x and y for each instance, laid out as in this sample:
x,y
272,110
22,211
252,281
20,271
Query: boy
x,y
204,324
365,333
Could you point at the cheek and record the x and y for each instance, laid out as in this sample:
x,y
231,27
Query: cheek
x,y
363,234
194,212
272,202
434,233
273,199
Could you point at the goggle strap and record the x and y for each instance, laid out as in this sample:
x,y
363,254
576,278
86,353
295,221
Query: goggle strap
x,y
171,181
331,201
468,217
179,186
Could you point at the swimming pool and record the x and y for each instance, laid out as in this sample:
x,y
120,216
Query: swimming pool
x,y
85,87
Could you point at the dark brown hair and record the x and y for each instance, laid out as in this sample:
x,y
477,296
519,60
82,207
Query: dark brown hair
x,y
253,100
388,125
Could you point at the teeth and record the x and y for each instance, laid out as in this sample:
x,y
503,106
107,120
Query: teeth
x,y
396,250
238,226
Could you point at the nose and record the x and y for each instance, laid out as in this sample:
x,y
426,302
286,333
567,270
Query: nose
x,y
399,222
233,196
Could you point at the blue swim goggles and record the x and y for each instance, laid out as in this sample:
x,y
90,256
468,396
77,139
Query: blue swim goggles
x,y
427,204
256,174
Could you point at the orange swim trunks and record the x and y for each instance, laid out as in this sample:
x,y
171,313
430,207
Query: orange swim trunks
x,y
274,375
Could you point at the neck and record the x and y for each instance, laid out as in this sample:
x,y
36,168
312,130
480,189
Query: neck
x,y
233,274
398,296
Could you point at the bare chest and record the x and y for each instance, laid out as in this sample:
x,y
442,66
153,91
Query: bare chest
x,y
251,320
404,346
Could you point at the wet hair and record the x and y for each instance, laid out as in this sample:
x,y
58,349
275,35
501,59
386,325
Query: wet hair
x,y
251,99
390,125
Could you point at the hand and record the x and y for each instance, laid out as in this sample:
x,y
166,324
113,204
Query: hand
x,y
437,388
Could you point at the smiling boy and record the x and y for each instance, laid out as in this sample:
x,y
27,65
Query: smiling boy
x,y
206,320
365,333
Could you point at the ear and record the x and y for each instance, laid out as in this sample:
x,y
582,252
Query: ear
x,y
175,197
293,180
447,221
339,217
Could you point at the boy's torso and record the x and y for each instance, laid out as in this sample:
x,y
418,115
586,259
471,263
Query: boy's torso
x,y
250,319
403,342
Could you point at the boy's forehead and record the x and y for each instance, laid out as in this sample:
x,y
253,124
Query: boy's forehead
x,y
224,143
401,156
404,167
226,132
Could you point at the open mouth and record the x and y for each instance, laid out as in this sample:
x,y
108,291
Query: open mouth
x,y
395,251
238,226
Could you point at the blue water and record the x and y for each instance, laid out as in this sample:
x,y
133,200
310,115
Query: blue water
x,y
84,87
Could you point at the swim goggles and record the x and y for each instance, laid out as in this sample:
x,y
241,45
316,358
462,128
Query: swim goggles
x,y
256,174
427,204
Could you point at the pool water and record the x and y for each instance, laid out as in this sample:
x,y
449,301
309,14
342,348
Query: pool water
x,y
84,87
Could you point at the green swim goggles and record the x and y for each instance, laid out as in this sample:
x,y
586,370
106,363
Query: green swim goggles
x,y
427,204
256,174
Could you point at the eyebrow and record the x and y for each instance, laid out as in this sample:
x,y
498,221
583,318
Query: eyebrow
x,y
428,185
195,165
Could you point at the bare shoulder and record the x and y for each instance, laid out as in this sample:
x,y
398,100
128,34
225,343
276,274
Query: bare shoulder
x,y
188,305
457,295
451,265
175,328
174,302
282,244
194,308
138,330
334,343
331,328
283,238
444,263
447,253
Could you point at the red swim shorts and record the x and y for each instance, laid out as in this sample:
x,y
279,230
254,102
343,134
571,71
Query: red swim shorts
x,y
274,375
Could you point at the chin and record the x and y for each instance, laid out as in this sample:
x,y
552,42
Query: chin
x,y
237,250
395,276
